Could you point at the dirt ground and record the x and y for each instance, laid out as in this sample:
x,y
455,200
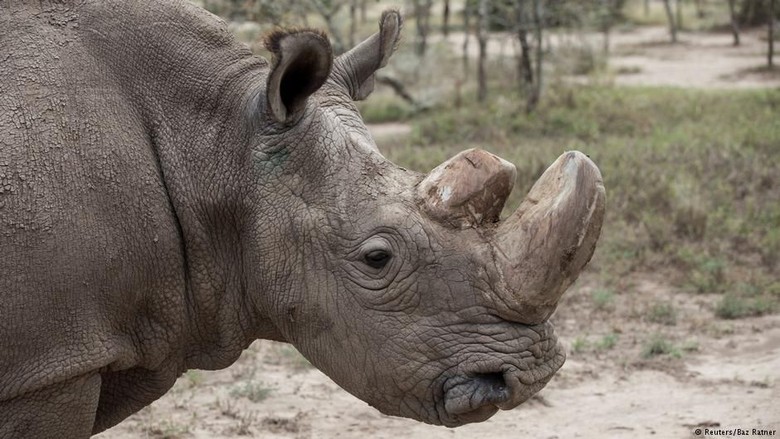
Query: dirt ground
x,y
721,374
700,60
644,56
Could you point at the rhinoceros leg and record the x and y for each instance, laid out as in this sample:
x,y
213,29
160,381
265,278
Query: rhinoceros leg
x,y
62,410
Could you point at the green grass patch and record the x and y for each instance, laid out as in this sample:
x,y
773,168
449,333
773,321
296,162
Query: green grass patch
x,y
731,306
579,345
167,429
255,391
293,358
607,342
385,107
583,344
658,345
194,377
690,346
704,273
603,299
663,313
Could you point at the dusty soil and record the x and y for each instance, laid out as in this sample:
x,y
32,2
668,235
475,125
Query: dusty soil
x,y
644,56
382,131
721,373
700,60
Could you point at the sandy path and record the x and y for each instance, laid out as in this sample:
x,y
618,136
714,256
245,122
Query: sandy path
x,y
381,131
700,60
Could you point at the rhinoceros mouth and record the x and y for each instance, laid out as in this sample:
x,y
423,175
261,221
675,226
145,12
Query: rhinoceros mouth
x,y
477,395
475,398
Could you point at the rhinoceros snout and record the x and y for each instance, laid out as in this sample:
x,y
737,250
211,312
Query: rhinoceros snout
x,y
478,397
501,381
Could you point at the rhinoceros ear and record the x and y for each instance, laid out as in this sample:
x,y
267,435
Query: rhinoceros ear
x,y
354,70
302,60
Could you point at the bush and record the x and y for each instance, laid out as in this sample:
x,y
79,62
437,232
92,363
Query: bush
x,y
663,313
254,391
607,342
603,299
731,306
658,345
384,108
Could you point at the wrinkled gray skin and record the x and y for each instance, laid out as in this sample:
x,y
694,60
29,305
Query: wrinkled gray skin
x,y
166,198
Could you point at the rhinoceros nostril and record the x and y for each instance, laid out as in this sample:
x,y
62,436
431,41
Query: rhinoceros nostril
x,y
476,397
493,382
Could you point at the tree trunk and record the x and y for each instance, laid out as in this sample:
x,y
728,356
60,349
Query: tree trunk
x,y
482,40
363,8
670,18
678,7
335,35
466,30
734,23
533,98
754,12
647,8
609,14
327,10
699,8
446,18
422,14
771,36
353,7
749,13
525,73
458,100
399,89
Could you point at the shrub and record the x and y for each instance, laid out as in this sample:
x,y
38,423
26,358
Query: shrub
x,y
731,306
658,345
663,313
603,299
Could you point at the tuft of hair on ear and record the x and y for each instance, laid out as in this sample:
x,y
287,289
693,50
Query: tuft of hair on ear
x,y
385,15
272,40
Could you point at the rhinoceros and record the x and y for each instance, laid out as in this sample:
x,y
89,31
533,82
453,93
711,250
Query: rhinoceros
x,y
166,198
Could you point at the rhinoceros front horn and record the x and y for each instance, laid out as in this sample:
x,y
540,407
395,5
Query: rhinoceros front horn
x,y
540,250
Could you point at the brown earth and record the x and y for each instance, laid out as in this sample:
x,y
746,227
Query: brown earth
x,y
644,56
719,374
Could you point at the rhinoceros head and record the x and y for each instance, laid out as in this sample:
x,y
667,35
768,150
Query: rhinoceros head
x,y
407,289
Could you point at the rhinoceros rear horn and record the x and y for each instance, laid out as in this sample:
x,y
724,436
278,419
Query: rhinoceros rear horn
x,y
468,190
302,60
354,70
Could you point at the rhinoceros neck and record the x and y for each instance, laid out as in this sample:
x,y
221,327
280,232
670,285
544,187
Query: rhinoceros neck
x,y
189,82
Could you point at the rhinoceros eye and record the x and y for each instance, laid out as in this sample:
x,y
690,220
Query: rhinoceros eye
x,y
377,258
